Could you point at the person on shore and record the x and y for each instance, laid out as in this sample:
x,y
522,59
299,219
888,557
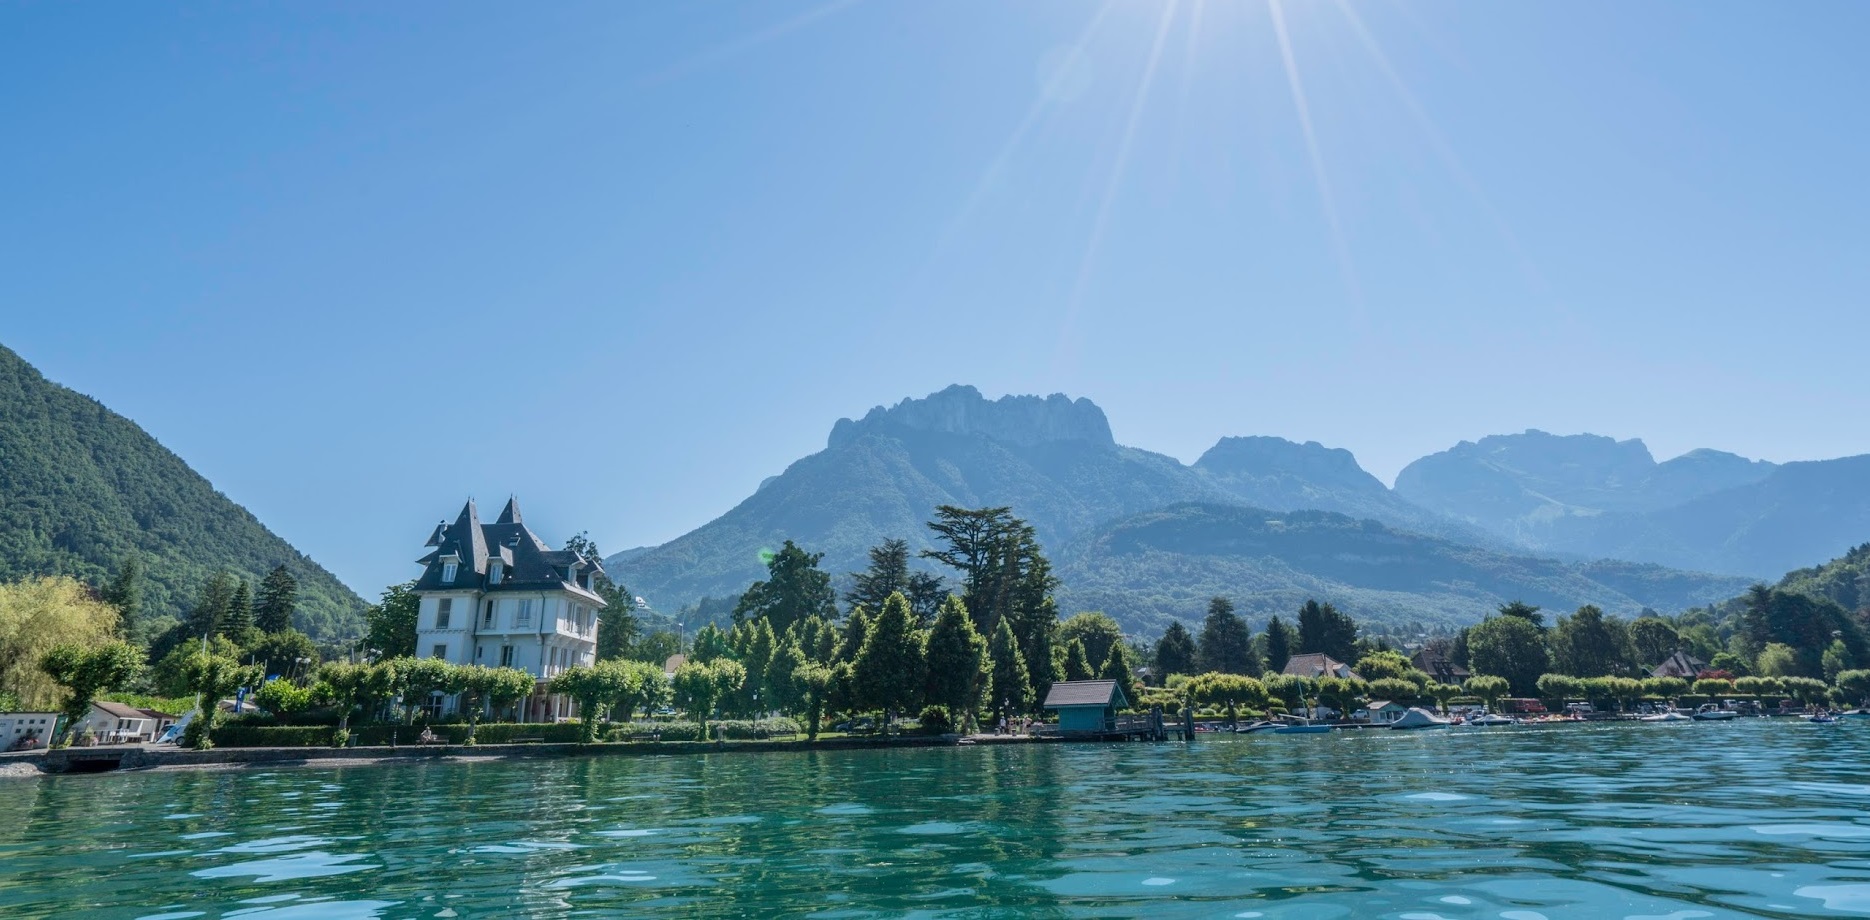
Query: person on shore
x,y
1001,728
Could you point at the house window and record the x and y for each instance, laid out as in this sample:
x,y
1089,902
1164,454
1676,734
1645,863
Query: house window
x,y
487,621
506,656
524,617
448,572
444,608
493,573
440,651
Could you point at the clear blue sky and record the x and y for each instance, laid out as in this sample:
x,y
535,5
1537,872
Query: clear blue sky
x,y
354,262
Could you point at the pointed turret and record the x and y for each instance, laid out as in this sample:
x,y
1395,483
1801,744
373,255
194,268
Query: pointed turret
x,y
510,514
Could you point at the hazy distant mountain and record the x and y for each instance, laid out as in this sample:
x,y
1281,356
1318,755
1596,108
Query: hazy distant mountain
x,y
1053,460
1592,496
1148,568
81,487
1280,475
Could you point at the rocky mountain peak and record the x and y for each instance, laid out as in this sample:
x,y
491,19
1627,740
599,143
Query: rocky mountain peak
x,y
1021,420
1263,455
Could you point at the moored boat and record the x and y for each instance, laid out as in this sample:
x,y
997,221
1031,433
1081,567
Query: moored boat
x,y
1301,729
1712,712
1487,719
1670,716
1417,717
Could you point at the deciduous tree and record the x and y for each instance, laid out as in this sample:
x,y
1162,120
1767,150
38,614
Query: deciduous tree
x,y
87,672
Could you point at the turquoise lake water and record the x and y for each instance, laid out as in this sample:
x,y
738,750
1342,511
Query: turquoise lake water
x,y
1751,818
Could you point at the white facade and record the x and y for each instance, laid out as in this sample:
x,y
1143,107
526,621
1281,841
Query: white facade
x,y
494,595
112,723
17,727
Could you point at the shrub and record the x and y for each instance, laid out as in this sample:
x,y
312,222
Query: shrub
x,y
340,737
935,721
248,734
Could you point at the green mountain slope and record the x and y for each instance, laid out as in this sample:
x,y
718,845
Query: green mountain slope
x,y
81,487
1149,568
1844,581
1051,459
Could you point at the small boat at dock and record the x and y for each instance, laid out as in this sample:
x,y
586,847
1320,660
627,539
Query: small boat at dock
x,y
1712,712
1669,716
1417,717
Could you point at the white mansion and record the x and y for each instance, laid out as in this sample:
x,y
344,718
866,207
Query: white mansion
x,y
496,595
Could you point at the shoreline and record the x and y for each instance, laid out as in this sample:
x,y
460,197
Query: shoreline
x,y
141,759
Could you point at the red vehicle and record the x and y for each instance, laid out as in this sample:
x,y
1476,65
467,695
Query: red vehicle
x,y
1521,706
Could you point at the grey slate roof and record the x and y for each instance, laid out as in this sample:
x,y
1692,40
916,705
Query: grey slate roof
x,y
530,565
1084,693
1680,664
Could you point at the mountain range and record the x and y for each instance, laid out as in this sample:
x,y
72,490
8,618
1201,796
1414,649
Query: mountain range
x,y
1583,495
1556,520
82,487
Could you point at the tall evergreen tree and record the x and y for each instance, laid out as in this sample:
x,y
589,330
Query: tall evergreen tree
x,y
1117,668
1226,643
125,592
239,617
889,574
957,665
1323,628
1523,611
889,671
1281,638
795,588
1005,577
1175,652
1010,690
856,631
210,609
1077,664
278,598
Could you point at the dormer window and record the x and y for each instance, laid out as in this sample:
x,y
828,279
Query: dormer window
x,y
494,572
448,572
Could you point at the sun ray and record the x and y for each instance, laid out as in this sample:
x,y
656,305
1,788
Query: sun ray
x,y
1444,150
1188,83
1319,175
727,51
1102,220
990,176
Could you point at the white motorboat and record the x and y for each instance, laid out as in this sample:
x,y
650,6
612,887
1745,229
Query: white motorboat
x,y
1417,717
1712,712
1670,716
1487,719
1256,727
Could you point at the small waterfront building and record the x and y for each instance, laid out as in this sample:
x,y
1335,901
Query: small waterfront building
x,y
672,664
113,723
1316,665
21,731
1381,712
496,595
163,721
1086,705
1681,664
1433,661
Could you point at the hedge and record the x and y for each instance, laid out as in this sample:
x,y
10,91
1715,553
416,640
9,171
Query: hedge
x,y
250,734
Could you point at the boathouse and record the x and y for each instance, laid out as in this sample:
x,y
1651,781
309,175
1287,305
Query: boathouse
x,y
1086,705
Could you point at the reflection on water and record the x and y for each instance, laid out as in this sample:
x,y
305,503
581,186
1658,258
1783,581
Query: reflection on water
x,y
1644,822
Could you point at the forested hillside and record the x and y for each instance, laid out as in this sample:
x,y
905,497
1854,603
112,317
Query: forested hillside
x,y
1149,568
83,488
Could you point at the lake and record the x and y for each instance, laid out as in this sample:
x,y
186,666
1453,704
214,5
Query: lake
x,y
1750,818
